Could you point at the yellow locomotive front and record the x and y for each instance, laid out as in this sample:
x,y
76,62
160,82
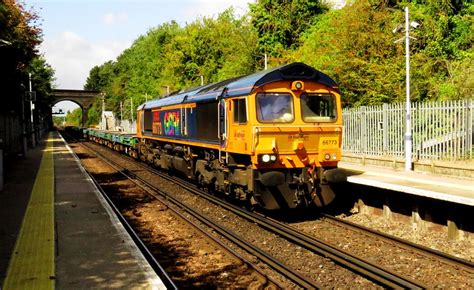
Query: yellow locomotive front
x,y
273,137
293,134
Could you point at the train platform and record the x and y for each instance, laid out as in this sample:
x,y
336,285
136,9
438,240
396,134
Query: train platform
x,y
433,186
57,231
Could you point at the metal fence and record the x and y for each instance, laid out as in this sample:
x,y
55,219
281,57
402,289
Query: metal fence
x,y
441,130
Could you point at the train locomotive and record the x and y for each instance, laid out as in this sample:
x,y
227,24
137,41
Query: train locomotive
x,y
272,138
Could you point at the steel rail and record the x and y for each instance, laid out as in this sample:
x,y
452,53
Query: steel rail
x,y
278,266
449,259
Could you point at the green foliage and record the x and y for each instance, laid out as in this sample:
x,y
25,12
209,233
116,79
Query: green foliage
x,y
280,23
19,37
99,77
74,118
213,48
354,45
42,78
174,57
58,121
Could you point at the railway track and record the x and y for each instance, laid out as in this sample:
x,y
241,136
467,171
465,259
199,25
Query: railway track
x,y
425,251
380,275
383,276
298,279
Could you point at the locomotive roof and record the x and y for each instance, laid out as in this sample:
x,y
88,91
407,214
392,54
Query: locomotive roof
x,y
242,86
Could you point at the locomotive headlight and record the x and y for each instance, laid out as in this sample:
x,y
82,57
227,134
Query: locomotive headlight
x,y
266,158
297,85
327,156
334,156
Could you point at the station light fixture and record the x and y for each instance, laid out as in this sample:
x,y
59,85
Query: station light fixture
x,y
408,133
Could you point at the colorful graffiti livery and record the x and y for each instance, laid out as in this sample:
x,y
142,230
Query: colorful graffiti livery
x,y
172,124
157,124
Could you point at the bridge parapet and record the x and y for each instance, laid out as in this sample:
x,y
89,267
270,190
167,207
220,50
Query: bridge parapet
x,y
83,98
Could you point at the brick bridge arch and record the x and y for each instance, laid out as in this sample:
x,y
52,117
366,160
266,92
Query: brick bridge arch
x,y
83,98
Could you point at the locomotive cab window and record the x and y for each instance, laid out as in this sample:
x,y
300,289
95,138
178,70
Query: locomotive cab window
x,y
275,108
148,120
318,107
240,111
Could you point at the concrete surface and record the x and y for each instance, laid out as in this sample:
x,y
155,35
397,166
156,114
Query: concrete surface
x,y
440,187
93,249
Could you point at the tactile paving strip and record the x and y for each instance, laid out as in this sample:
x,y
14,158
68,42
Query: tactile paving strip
x,y
32,261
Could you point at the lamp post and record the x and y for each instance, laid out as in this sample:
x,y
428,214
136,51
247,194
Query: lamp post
x,y
121,113
23,120
131,108
32,106
408,133
103,119
167,89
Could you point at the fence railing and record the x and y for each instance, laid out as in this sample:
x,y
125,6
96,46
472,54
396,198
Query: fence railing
x,y
441,130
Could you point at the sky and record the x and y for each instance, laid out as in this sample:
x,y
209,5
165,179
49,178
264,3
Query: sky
x,y
80,34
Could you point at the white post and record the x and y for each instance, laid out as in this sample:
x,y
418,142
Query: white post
x,y
121,112
408,135
266,61
202,80
33,142
131,108
102,118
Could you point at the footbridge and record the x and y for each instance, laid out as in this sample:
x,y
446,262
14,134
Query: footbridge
x,y
83,98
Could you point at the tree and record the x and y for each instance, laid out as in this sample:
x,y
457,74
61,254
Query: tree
x,y
280,23
356,46
74,118
100,77
19,37
175,57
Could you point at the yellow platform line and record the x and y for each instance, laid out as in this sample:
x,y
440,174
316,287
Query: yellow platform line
x,y
32,261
